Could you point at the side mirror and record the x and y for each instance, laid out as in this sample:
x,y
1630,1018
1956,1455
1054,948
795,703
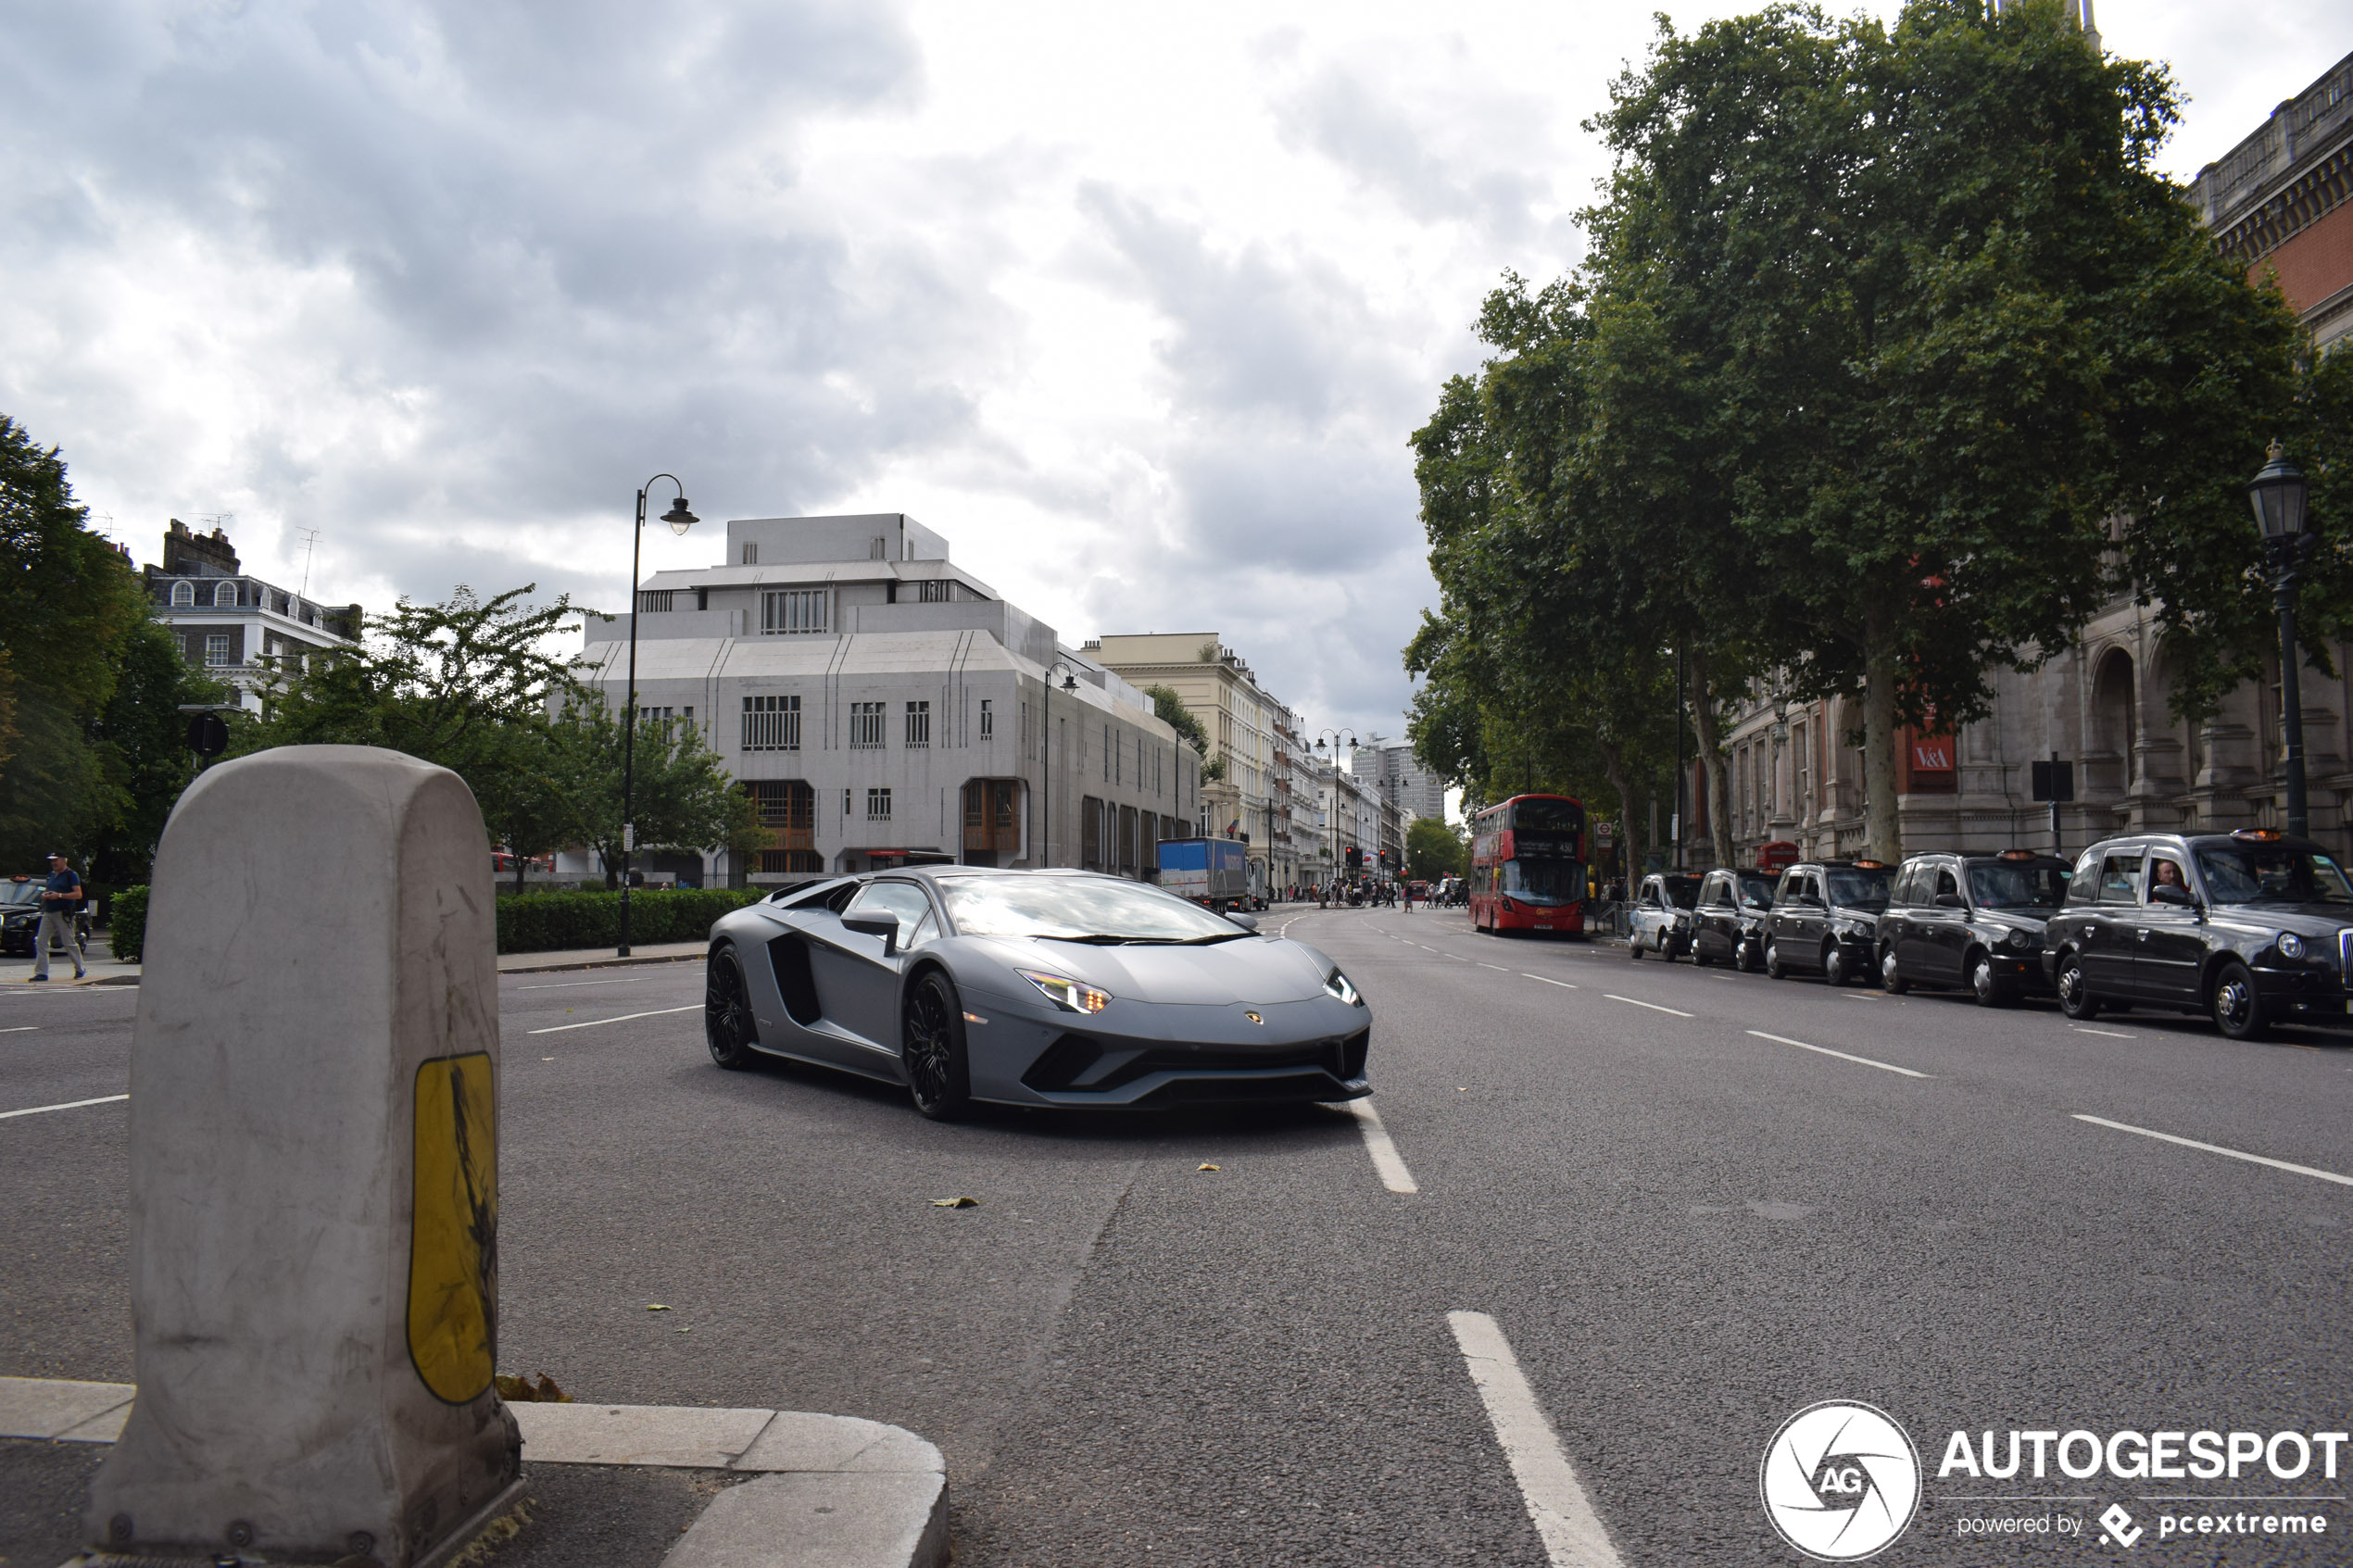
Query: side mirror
x,y
1951,901
1247,923
884,926
2170,893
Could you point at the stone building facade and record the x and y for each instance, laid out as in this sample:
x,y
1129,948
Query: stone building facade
x,y
230,623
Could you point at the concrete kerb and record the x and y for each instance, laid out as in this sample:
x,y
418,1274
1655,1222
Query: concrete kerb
x,y
829,1491
115,971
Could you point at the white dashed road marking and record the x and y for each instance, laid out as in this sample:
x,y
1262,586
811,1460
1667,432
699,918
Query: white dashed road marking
x,y
2108,1034
19,1028
70,1105
1386,1162
1547,980
559,1028
2218,1148
567,985
1496,966
1653,1005
1866,1061
1571,1531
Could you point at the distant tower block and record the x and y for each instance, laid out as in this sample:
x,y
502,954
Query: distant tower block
x,y
314,1173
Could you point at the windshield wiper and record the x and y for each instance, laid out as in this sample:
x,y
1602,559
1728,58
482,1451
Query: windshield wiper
x,y
1215,936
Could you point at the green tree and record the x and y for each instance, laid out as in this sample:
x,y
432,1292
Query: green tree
x,y
1176,716
1434,849
685,799
141,738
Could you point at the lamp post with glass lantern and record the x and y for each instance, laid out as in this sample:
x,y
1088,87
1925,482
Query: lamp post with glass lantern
x,y
1046,728
680,519
1333,736
2278,494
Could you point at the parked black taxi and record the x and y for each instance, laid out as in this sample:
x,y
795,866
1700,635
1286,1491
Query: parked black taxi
x,y
2251,928
1971,921
1825,919
1729,925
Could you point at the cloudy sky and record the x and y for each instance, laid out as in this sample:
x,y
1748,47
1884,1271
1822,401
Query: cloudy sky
x,y
1135,305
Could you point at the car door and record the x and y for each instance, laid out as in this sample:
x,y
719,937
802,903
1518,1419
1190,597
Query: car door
x,y
1799,933
857,984
1948,933
2111,926
1715,917
2169,955
1904,927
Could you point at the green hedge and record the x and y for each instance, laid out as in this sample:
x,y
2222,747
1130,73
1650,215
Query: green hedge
x,y
127,922
547,922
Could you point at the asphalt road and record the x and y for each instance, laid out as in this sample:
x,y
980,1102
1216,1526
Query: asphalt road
x,y
1686,1232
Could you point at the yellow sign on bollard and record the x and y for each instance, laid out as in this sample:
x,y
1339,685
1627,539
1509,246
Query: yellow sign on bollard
x,y
453,1238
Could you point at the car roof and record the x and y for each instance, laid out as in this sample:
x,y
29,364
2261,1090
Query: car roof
x,y
2241,840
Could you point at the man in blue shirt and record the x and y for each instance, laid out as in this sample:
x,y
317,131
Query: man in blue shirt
x,y
59,899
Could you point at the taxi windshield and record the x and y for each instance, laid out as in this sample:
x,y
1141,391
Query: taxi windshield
x,y
2245,874
1758,888
1855,888
1682,891
13,892
2014,885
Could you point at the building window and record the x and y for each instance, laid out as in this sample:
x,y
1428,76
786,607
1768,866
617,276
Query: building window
x,y
918,725
988,719
788,811
184,595
654,601
793,611
1106,753
224,594
772,723
661,719
751,553
878,805
875,550
845,806
866,724
937,590
216,648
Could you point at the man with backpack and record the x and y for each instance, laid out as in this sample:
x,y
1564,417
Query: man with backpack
x,y
60,900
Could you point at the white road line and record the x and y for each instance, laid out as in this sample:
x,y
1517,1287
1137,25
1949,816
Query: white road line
x,y
567,985
19,1028
70,1105
1572,1532
1866,1061
1496,966
1547,980
1653,1005
2111,1034
1386,1162
2218,1148
591,1024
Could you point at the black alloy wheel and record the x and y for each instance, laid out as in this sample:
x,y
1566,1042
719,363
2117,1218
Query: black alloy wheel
x,y
1990,989
1891,978
2236,1005
727,1024
1836,971
2075,999
932,1048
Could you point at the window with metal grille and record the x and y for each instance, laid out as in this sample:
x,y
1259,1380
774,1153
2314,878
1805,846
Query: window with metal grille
x,y
937,591
1106,753
875,550
653,601
751,553
787,809
216,649
772,722
918,725
791,610
878,805
224,594
184,593
988,719
866,724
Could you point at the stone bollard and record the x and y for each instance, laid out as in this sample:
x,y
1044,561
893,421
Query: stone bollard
x,y
314,1174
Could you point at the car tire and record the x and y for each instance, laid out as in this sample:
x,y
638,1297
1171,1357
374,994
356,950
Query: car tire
x,y
1773,965
1752,961
1699,959
1835,970
1891,977
728,1026
1990,989
2236,1005
2075,1000
931,1034
1634,946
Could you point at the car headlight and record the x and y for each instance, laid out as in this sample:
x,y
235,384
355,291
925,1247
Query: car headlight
x,y
1072,995
2020,937
1336,984
2291,945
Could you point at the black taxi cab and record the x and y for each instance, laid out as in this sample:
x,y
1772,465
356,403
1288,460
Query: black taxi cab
x,y
2252,928
1974,921
1728,925
1825,919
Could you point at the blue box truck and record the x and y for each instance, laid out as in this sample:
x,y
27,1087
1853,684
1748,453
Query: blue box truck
x,y
1211,871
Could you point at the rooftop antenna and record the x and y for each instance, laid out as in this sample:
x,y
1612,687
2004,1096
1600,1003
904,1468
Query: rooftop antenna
x,y
310,537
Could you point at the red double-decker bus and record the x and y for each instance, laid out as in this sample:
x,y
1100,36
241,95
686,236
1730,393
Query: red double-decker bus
x,y
1528,865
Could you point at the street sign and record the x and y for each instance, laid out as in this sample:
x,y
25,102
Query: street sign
x,y
1604,833
2054,781
207,734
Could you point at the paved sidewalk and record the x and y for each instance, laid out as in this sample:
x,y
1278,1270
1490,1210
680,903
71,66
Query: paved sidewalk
x,y
109,971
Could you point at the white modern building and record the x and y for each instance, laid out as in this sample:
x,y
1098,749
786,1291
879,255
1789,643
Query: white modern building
x,y
885,707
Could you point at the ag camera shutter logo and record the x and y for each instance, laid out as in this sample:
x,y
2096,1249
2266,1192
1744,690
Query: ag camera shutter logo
x,y
1840,1481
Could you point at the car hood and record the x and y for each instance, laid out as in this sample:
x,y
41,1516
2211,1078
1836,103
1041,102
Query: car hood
x,y
1249,969
2029,920
2305,919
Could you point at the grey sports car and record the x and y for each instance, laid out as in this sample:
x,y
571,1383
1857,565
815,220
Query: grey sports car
x,y
1032,988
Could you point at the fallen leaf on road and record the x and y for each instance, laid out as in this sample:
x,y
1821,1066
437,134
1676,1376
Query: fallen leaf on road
x,y
657,1307
685,1331
1209,1167
955,1203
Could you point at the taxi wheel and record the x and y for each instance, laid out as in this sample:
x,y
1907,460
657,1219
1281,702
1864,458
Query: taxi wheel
x,y
2237,1007
1752,961
1773,965
1700,959
1634,946
1890,979
1990,989
2074,1000
1836,971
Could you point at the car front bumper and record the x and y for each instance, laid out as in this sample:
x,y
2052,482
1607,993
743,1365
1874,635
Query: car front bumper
x,y
1140,1056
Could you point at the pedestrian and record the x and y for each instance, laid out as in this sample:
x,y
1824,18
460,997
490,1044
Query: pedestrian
x,y
1409,898
59,899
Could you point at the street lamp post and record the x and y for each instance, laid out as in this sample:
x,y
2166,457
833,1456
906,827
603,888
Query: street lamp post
x,y
1333,736
1046,743
2278,494
680,519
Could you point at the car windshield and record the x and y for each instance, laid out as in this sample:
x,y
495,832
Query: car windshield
x,y
1756,887
1076,908
2017,885
13,893
1682,892
2242,874
1851,888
